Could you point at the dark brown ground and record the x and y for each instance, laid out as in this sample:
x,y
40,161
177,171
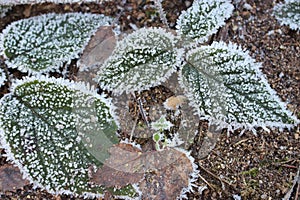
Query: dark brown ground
x,y
253,167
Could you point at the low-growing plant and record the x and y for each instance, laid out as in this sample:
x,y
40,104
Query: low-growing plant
x,y
63,135
288,13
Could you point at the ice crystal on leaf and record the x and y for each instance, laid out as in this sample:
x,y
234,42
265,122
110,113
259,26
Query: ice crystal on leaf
x,y
226,86
288,13
203,19
43,43
141,60
47,129
2,77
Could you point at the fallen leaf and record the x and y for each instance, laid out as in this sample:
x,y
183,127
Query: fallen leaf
x,y
168,182
99,48
117,170
161,174
11,178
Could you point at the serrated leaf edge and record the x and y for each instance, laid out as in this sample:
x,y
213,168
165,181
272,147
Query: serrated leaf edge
x,y
122,44
57,64
235,125
227,14
81,86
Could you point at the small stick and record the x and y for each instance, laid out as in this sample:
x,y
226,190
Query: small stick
x,y
205,181
221,180
143,112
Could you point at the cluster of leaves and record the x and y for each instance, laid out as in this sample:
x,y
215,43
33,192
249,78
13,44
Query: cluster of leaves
x,y
62,134
288,13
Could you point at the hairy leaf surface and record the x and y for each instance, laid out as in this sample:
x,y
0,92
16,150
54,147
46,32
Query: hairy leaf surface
x,y
44,43
288,13
203,19
141,60
226,86
54,130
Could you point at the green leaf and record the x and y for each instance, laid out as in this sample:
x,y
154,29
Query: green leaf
x,y
226,86
161,124
288,13
48,129
203,19
44,43
141,60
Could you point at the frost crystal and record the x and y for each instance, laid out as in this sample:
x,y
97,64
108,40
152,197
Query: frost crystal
x,y
2,77
46,127
161,124
288,13
203,19
43,43
226,86
141,60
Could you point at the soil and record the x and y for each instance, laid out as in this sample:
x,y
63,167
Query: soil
x,y
249,166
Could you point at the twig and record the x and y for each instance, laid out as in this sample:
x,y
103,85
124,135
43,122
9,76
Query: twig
x,y
295,182
205,181
141,110
221,180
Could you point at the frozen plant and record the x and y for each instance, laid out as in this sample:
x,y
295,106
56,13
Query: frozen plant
x,y
62,134
52,128
223,83
44,43
288,13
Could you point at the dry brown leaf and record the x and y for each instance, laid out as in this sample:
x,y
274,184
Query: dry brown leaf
x,y
168,182
117,170
99,48
162,174
11,178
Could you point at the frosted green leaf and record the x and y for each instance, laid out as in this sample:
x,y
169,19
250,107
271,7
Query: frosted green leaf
x,y
226,87
2,77
288,13
203,19
141,60
48,128
44,43
161,124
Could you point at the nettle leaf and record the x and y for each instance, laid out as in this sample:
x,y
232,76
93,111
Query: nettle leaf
x,y
44,43
141,60
2,77
48,128
288,13
203,19
226,86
